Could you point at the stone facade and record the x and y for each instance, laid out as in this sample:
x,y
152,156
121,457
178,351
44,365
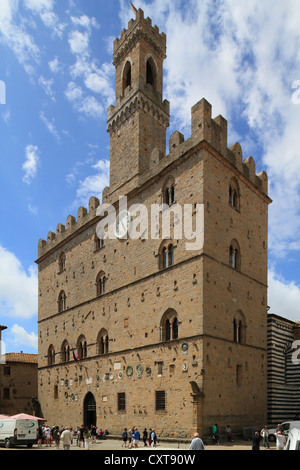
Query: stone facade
x,y
169,338
19,388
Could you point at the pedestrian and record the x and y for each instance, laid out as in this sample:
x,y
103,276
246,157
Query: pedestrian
x,y
216,434
149,437
130,435
265,436
93,434
197,443
124,437
136,438
40,436
56,435
66,438
145,436
229,433
86,436
48,436
81,438
256,441
153,438
280,440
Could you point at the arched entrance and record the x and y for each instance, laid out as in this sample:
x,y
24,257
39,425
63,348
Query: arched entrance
x,y
89,410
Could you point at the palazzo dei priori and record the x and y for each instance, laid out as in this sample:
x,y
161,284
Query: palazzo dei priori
x,y
143,331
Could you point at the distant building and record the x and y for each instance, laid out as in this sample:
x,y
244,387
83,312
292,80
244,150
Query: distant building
x,y
18,384
283,372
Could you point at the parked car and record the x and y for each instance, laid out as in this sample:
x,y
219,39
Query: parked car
x,y
293,442
285,426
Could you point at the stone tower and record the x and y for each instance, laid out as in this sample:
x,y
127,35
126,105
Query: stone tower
x,y
137,123
142,331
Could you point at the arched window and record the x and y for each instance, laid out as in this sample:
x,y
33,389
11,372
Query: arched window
x,y
82,347
103,342
98,242
65,351
127,75
234,255
169,325
169,191
62,262
166,255
151,73
62,301
101,283
234,194
51,355
239,328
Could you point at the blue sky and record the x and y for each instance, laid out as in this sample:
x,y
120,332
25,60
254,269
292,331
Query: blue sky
x,y
56,67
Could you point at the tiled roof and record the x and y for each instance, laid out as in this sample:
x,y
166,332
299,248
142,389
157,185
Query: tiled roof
x,y
21,357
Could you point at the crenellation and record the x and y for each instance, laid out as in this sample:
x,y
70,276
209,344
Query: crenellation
x,y
70,221
249,169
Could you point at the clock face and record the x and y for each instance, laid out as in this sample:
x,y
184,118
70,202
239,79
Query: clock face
x,y
122,224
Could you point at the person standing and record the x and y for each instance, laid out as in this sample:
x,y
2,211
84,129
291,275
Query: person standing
x,y
124,437
265,436
86,436
56,435
256,441
66,439
280,440
197,443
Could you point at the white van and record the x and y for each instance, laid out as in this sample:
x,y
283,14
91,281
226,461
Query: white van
x,y
293,442
14,432
285,426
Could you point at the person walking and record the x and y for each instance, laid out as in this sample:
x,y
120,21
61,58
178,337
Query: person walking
x,y
265,436
197,443
66,438
145,436
216,434
124,437
136,438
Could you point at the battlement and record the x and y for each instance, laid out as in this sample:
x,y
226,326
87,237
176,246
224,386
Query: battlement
x,y
204,128
72,225
136,28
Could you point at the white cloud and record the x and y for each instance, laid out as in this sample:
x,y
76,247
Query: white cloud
x,y
44,8
54,65
50,125
30,165
47,85
85,21
18,288
93,185
20,337
283,297
39,6
16,37
79,42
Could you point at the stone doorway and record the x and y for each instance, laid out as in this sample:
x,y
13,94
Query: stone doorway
x,y
89,410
